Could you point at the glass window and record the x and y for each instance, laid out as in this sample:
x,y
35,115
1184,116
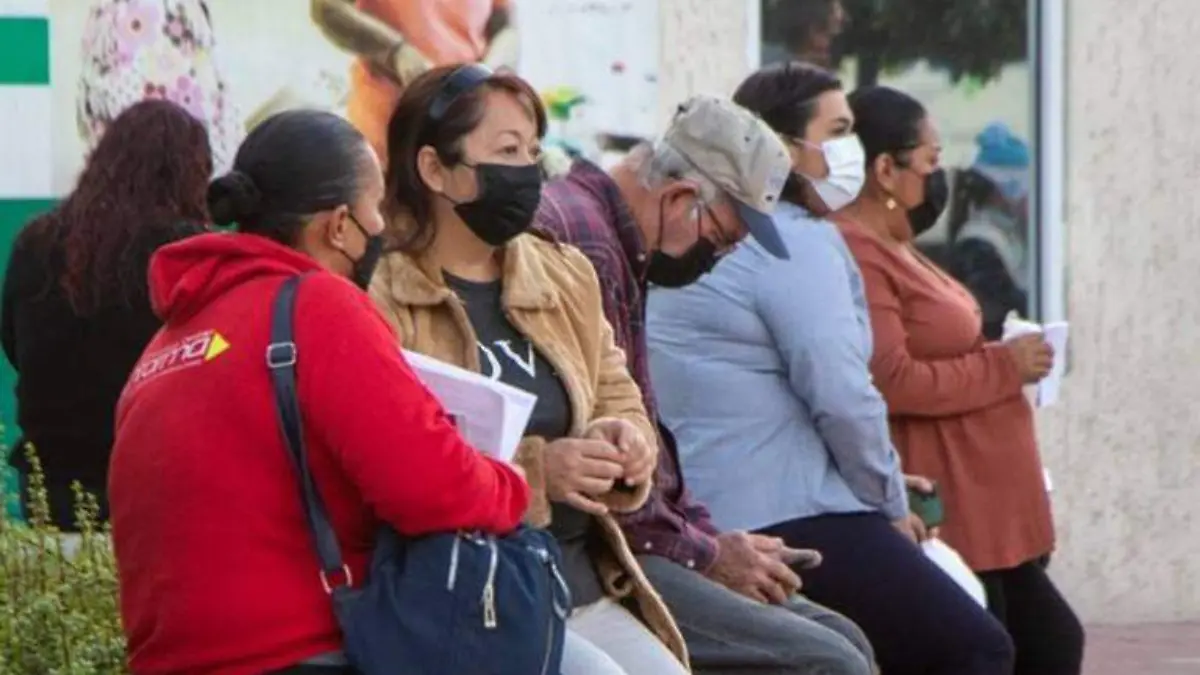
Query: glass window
x,y
969,62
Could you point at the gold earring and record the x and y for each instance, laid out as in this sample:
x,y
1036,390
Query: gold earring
x,y
890,204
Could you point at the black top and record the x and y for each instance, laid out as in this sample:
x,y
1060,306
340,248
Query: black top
x,y
980,268
506,355
70,368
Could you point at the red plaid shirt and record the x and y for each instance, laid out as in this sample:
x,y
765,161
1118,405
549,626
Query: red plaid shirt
x,y
586,209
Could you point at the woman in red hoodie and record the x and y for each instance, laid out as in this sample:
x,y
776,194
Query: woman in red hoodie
x,y
217,569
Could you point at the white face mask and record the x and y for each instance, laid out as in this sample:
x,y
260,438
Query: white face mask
x,y
847,171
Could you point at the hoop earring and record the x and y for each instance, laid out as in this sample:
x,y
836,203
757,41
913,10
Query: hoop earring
x,y
890,204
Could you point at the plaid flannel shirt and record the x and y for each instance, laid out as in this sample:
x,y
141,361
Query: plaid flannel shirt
x,y
586,209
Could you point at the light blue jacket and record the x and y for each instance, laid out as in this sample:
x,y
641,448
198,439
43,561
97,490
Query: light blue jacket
x,y
761,371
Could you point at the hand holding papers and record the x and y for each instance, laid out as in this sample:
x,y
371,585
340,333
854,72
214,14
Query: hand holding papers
x,y
490,415
1045,392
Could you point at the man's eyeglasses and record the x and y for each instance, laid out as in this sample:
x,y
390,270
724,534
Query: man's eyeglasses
x,y
723,240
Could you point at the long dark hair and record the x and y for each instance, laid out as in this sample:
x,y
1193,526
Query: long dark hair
x,y
292,165
888,121
408,198
147,174
785,96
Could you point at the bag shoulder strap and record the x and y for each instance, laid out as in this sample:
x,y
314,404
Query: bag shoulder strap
x,y
282,356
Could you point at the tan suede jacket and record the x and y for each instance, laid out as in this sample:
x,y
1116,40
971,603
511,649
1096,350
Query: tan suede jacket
x,y
551,295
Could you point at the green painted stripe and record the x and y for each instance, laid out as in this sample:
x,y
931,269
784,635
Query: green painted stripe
x,y
24,50
14,213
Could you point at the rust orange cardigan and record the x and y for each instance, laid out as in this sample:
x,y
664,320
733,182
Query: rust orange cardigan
x,y
955,405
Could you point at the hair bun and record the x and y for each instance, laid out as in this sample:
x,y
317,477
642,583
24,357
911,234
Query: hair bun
x,y
233,197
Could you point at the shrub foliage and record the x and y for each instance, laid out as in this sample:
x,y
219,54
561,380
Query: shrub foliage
x,y
58,593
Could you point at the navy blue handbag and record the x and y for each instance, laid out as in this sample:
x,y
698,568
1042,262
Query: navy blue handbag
x,y
455,603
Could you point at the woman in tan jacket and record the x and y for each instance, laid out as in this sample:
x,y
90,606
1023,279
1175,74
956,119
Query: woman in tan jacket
x,y
466,284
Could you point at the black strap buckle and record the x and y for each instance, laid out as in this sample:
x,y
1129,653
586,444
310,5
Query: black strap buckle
x,y
281,355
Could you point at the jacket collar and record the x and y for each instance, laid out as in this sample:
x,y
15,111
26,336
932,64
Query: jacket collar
x,y
524,279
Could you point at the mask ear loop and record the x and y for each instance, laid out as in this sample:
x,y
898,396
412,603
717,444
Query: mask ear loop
x,y
662,213
367,236
662,230
796,140
475,172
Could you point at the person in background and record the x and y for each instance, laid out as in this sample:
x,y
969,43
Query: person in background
x,y
76,313
154,49
761,369
201,479
666,214
989,225
397,40
803,30
468,284
954,398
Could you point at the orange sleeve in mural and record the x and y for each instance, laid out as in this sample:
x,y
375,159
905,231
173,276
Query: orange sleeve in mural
x,y
444,31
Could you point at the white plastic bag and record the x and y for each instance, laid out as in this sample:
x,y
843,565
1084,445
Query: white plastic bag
x,y
956,568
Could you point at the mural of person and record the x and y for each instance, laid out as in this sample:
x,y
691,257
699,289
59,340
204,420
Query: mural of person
x,y
146,49
988,225
396,40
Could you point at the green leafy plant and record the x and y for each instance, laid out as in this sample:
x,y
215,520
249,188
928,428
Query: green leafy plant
x,y
58,593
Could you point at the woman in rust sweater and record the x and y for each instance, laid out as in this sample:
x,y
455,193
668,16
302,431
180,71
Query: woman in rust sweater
x,y
954,400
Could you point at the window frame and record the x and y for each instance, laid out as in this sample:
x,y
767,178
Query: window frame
x,y
1047,33
1048,39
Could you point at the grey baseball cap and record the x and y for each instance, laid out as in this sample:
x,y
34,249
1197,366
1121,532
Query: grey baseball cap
x,y
741,154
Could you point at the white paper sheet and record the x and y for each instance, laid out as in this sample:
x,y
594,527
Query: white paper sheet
x,y
1044,393
490,415
1056,334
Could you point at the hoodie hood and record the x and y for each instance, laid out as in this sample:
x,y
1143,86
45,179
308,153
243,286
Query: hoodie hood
x,y
188,275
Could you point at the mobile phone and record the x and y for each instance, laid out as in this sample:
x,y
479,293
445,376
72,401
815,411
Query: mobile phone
x,y
927,506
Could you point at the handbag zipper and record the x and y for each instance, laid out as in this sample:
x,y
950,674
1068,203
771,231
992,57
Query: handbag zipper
x,y
557,610
549,645
452,577
489,588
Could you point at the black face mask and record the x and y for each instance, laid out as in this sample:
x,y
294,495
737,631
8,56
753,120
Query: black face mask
x,y
508,198
937,192
671,271
364,267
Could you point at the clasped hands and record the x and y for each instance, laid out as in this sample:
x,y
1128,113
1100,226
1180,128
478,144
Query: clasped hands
x,y
611,452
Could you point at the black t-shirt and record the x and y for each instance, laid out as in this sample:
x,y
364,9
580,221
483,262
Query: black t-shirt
x,y
506,355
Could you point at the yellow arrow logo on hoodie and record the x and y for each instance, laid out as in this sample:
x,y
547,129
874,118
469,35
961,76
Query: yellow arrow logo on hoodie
x,y
217,346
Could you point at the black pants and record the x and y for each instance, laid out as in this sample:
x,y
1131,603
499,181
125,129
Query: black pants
x,y
919,621
1047,634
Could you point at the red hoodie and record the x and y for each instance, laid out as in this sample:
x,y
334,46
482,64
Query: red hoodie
x,y
217,569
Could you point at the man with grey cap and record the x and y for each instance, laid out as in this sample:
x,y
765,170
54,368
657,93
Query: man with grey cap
x,y
665,215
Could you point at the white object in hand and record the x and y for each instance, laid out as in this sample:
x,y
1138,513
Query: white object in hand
x,y
1043,393
490,415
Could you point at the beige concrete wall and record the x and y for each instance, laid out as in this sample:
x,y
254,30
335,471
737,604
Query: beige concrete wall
x,y
703,49
1124,443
